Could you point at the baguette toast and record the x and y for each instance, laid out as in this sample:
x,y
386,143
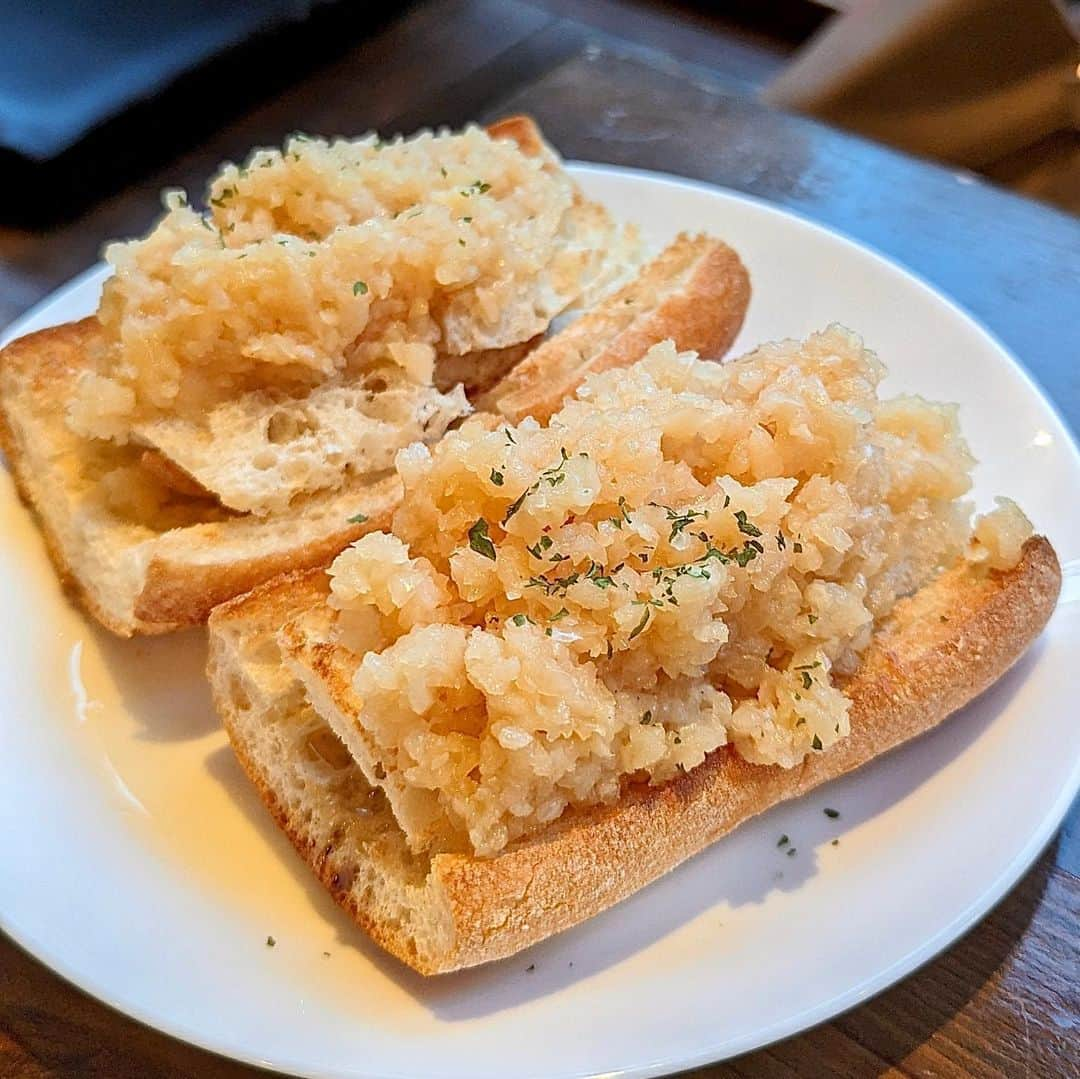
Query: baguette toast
x,y
137,578
938,650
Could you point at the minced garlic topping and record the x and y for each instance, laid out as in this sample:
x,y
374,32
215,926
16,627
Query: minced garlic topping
x,y
685,557
327,257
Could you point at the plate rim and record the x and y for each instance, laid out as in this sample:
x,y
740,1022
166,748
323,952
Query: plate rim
x,y
790,1026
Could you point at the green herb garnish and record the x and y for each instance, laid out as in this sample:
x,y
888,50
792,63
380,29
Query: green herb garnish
x,y
357,518
477,187
743,557
816,743
553,585
544,544
679,521
642,624
359,288
479,540
624,514
496,477
515,505
595,573
745,527
555,476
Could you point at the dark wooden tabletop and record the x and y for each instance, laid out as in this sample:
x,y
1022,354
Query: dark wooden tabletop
x,y
1003,1001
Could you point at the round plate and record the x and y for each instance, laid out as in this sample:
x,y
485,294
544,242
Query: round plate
x,y
141,865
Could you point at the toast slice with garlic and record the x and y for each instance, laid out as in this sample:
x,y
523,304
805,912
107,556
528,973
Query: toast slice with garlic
x,y
584,650
234,409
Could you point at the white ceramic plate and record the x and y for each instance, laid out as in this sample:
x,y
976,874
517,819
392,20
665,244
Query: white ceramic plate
x,y
138,863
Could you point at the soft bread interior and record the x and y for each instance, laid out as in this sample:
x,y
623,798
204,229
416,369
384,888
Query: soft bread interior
x,y
259,452
939,649
316,791
325,671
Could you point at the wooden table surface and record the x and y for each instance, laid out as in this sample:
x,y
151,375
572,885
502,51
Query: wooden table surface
x,y
1003,1001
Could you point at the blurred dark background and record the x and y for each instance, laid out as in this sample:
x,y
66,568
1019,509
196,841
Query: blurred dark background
x,y
96,94
104,103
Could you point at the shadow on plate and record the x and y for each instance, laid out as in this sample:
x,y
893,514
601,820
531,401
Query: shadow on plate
x,y
161,682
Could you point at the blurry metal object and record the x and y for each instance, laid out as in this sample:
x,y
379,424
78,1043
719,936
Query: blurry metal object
x,y
966,81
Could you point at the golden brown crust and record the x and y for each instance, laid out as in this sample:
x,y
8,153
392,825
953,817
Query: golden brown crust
x,y
178,592
184,577
275,601
182,592
320,856
522,130
940,649
43,359
704,292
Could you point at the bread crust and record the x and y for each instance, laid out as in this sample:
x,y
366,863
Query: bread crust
x,y
523,130
43,359
938,650
708,292
183,576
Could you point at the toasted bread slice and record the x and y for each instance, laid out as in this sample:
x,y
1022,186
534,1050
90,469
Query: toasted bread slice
x,y
156,572
696,292
938,650
149,576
